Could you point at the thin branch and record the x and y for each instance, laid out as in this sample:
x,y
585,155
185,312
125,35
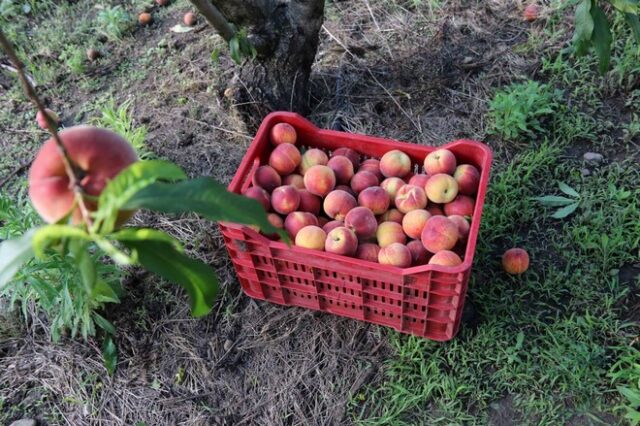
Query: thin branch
x,y
215,18
73,171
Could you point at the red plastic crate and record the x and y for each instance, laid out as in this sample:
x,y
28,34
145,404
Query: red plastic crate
x,y
424,300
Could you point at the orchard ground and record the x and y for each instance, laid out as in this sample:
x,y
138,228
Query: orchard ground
x,y
549,347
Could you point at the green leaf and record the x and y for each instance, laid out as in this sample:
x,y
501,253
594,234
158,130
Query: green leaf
x,y
626,6
632,396
601,37
49,235
565,211
13,254
141,234
207,198
634,23
86,265
104,323
568,190
554,200
110,354
583,21
104,293
234,50
198,279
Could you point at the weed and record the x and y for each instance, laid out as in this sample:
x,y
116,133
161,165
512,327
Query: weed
x,y
625,375
73,59
113,22
120,120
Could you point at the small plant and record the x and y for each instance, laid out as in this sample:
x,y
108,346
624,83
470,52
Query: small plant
x,y
113,22
567,205
520,108
73,58
240,46
626,375
120,120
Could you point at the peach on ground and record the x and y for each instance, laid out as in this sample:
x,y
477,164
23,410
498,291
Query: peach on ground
x,y
462,224
295,221
363,180
392,215
462,205
531,12
435,209
346,188
441,188
295,180
368,251
189,19
439,233
145,18
285,199
100,153
389,233
395,163
375,199
419,180
468,179
312,157
372,165
445,258
311,237
395,254
414,221
419,254
515,261
309,202
392,185
341,240
440,161
42,122
259,195
285,158
342,167
266,177
352,155
331,225
410,197
338,203
362,221
319,180
283,133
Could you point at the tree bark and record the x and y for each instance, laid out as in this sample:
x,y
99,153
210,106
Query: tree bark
x,y
285,34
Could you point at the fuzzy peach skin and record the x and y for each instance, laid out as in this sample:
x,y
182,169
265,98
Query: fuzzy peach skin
x,y
372,165
338,203
346,188
395,163
410,197
100,153
392,185
515,261
462,224
419,254
259,195
392,215
389,233
363,180
419,180
311,237
309,202
435,210
462,205
267,178
322,221
285,199
319,180
395,254
352,155
439,233
414,221
375,199
331,225
295,221
283,133
342,241
468,179
368,251
342,167
275,220
362,221
440,161
285,159
441,188
445,258
312,157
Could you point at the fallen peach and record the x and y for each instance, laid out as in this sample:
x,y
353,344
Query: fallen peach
x,y
189,19
515,261
145,18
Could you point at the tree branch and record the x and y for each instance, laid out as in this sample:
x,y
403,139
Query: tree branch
x,y
215,18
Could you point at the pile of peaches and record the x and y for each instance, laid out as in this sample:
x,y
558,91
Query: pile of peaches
x,y
375,210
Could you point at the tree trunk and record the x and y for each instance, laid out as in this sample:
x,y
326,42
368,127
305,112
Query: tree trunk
x,y
285,35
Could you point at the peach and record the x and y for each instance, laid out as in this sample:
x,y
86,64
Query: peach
x,y
342,167
468,179
393,215
285,199
93,54
462,205
145,18
294,180
101,154
322,221
515,261
372,165
375,199
395,254
445,258
42,122
368,251
419,254
341,240
440,161
439,233
275,220
435,210
189,19
441,188
462,224
309,202
338,203
410,197
330,226
267,178
259,195
311,237
283,133
395,163
319,180
346,188
295,221
363,180
414,221
312,157
362,221
389,233
531,12
392,185
352,155
285,158
419,180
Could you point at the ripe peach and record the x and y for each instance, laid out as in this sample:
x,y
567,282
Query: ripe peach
x,y
392,185
363,180
435,209
441,188
352,155
395,163
468,179
330,226
319,180
100,153
368,251
285,158
419,180
275,220
439,233
395,254
419,254
440,161
190,19
309,202
462,224
372,165
295,221
311,237
294,180
266,177
259,195
392,215
445,258
42,122
342,167
462,205
341,240
283,133
362,221
322,221
375,199
312,157
285,199
346,188
531,12
515,261
338,203
414,221
410,197
145,18
389,233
